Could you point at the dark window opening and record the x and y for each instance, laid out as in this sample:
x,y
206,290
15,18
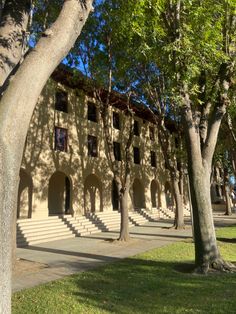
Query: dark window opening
x,y
151,134
92,146
92,112
61,139
136,155
153,159
116,120
61,103
117,151
136,128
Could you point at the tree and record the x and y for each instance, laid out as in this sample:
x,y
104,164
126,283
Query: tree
x,y
16,107
192,44
96,53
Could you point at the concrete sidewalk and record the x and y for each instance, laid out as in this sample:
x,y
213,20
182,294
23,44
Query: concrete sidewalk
x,y
53,260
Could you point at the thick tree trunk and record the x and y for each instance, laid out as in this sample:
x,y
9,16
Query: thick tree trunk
x,y
228,203
206,250
124,229
179,213
16,108
13,27
207,254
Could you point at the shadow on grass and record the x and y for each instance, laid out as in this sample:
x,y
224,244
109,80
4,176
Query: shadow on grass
x,y
145,286
227,240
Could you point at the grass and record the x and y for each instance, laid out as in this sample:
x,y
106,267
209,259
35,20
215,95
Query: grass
x,y
159,281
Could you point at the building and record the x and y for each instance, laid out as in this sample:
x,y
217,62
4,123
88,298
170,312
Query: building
x,y
65,169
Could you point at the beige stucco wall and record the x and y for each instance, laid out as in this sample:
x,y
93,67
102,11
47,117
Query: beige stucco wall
x,y
41,161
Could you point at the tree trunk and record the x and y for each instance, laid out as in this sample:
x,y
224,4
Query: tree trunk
x,y
124,230
16,108
179,213
228,204
207,254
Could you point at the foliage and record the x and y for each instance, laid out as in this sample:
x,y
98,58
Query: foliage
x,y
158,281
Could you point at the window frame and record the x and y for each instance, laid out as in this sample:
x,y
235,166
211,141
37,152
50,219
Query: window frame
x,y
91,115
117,150
153,160
116,120
57,146
136,155
151,133
91,141
136,128
61,103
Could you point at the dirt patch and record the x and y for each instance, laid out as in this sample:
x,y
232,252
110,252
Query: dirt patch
x,y
25,266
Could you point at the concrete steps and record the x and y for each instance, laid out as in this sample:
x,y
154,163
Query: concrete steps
x,y
105,221
152,215
80,225
33,231
137,219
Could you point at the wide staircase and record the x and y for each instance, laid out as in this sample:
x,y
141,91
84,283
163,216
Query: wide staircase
x,y
168,213
81,225
33,231
106,221
137,219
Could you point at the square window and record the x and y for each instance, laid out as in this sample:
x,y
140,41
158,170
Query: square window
x,y
136,155
92,146
92,112
153,159
116,120
61,139
117,151
151,133
61,103
136,128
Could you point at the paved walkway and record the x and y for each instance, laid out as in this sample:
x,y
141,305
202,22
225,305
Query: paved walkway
x,y
57,259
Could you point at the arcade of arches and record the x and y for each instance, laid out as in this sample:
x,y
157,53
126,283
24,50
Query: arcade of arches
x,y
61,196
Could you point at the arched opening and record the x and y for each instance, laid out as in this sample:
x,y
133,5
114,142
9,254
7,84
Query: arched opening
x,y
92,194
155,194
25,191
59,194
138,194
168,195
115,196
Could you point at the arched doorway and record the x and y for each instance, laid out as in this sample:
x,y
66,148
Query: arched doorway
x,y
59,194
168,195
155,194
92,194
115,196
25,191
138,194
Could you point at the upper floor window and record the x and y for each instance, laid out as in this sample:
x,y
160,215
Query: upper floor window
x,y
151,133
61,103
92,146
117,151
61,139
136,155
92,112
116,120
136,128
153,159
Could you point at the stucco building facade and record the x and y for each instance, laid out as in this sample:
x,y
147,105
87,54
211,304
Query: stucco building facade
x,y
65,168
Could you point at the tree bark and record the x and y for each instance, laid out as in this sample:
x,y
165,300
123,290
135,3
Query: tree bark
x,y
207,254
16,108
228,209
13,28
124,229
179,213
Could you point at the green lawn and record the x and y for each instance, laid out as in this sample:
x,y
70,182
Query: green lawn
x,y
158,281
